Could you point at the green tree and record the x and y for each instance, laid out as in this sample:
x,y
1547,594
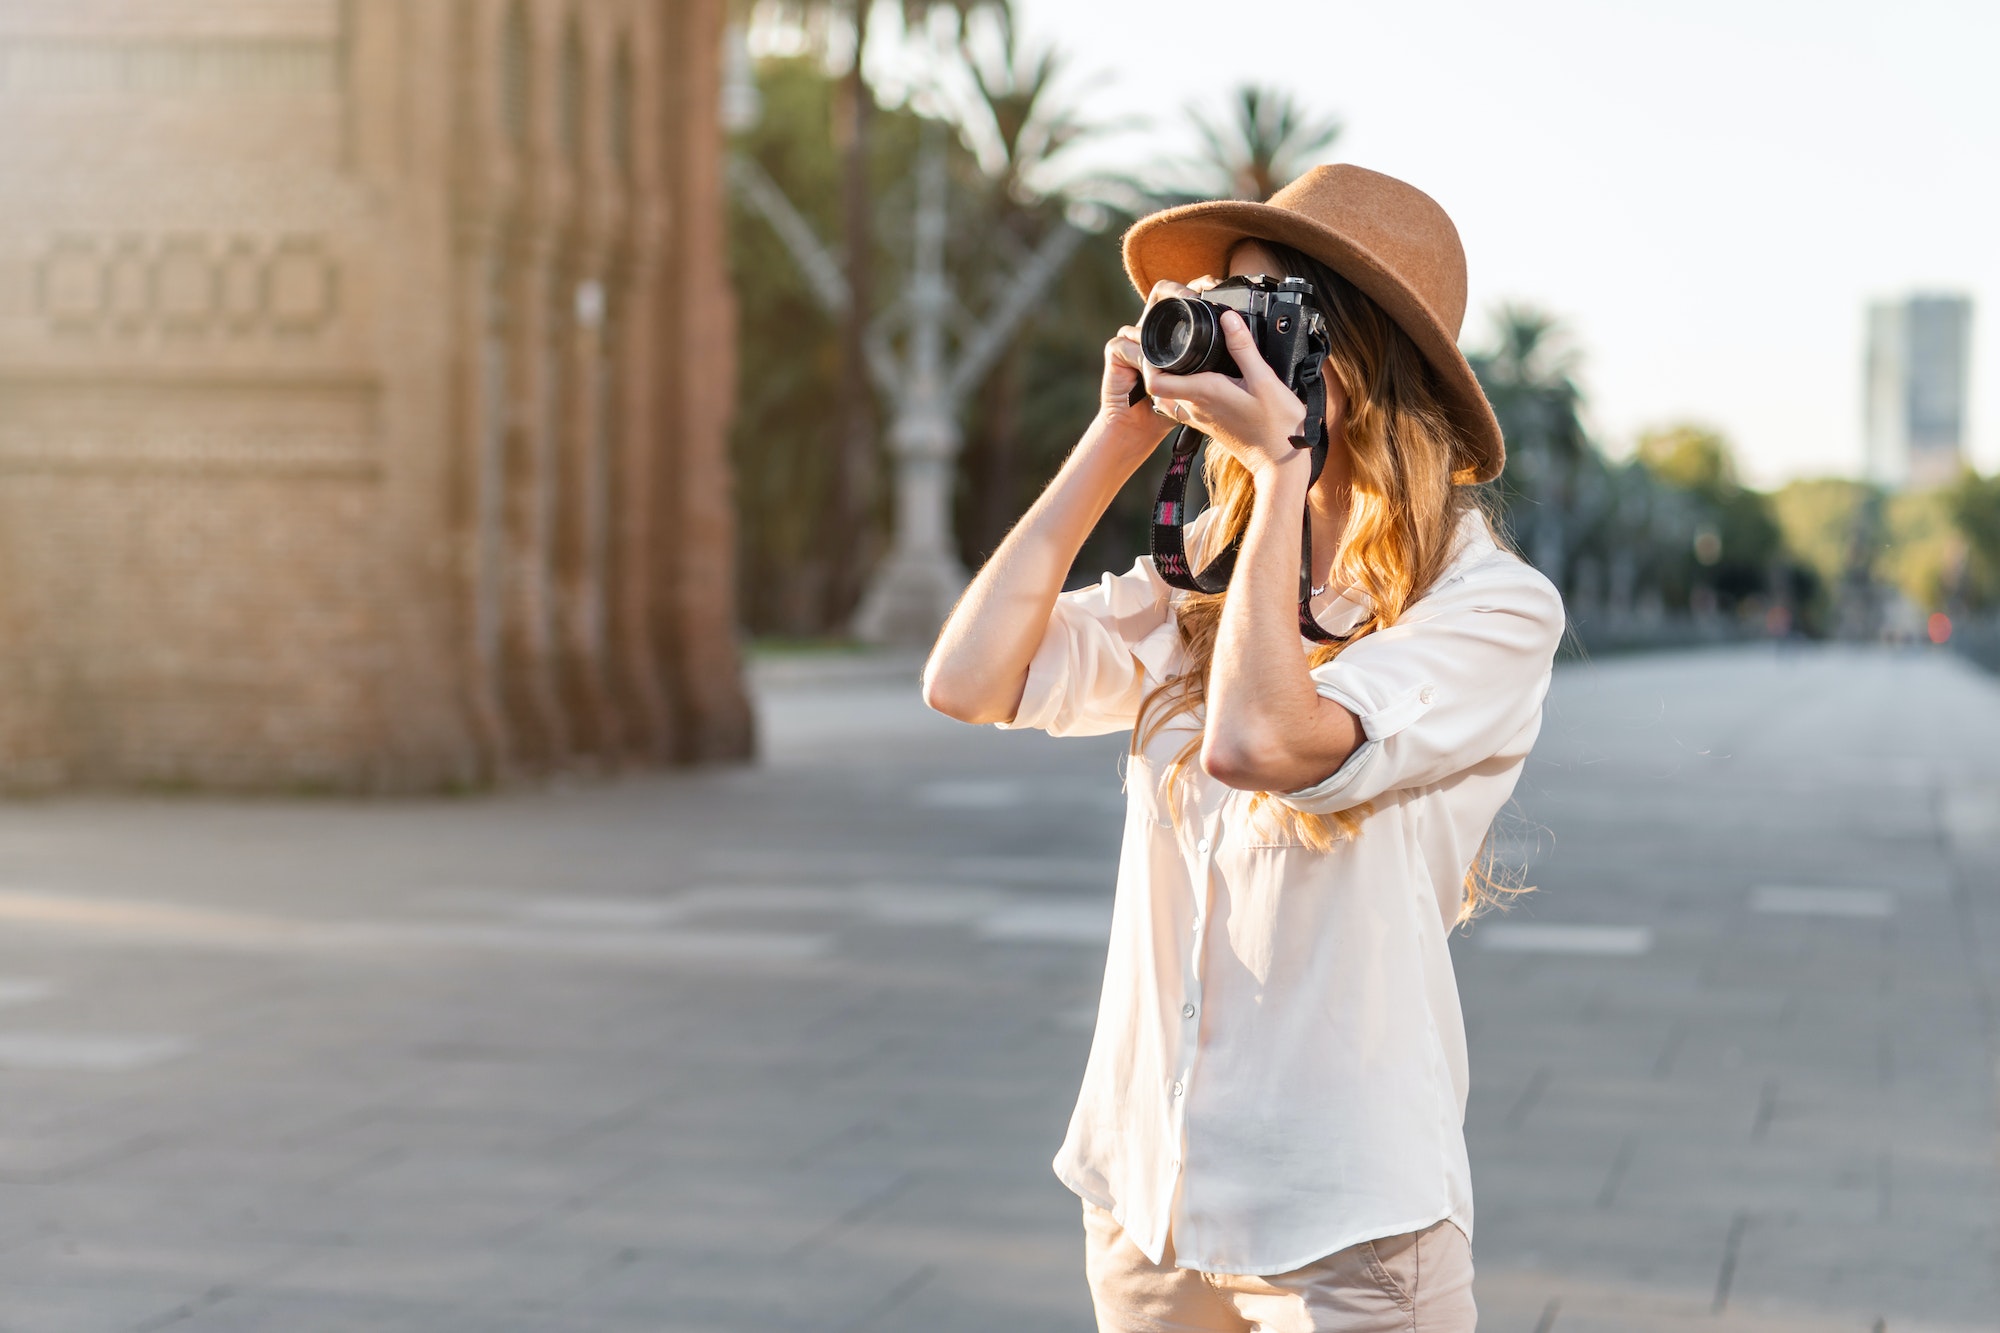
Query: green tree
x,y
1924,555
1816,520
1693,458
1975,511
1738,545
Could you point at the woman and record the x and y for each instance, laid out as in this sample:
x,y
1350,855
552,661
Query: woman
x,y
1270,1134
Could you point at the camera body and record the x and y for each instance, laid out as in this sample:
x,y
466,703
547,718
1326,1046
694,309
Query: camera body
x,y
1183,334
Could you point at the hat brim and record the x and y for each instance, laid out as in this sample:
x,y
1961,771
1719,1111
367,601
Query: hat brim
x,y
1182,244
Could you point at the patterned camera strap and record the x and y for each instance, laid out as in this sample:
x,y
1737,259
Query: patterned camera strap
x,y
1170,517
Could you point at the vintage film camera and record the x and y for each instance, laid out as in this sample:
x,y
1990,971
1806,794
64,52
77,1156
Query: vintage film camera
x,y
1182,335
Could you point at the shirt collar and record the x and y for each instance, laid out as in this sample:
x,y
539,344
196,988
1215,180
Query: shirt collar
x,y
1345,611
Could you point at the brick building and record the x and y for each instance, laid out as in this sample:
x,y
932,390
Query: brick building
x,y
364,376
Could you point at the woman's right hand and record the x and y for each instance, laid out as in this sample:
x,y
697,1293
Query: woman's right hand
x,y
1124,364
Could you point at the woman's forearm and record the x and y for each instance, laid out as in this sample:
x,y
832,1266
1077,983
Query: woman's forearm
x,y
979,668
1267,728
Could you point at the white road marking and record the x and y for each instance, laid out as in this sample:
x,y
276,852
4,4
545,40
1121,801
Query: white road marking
x,y
22,991
731,946
891,904
1972,813
599,912
54,1052
1548,937
1787,900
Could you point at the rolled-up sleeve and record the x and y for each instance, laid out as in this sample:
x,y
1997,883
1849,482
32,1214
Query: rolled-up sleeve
x,y
1086,678
1458,681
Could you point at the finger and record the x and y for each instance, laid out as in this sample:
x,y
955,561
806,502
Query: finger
x,y
1257,372
1201,391
1203,283
1163,289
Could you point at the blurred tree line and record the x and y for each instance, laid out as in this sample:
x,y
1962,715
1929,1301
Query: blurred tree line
x,y
1644,549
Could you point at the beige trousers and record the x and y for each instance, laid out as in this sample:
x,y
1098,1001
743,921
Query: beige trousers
x,y
1418,1283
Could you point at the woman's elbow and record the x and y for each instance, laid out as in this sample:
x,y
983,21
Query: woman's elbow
x,y
1246,763
945,694
942,695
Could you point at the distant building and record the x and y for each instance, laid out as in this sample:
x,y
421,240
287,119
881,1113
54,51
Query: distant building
x,y
365,369
1919,354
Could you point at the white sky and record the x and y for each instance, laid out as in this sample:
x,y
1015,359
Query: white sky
x,y
1706,191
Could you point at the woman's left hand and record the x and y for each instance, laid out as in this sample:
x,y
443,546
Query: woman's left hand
x,y
1251,419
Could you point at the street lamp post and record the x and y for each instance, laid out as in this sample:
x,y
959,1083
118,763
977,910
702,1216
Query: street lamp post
x,y
925,385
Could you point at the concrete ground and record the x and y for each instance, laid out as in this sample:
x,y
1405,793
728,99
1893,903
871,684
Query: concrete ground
x,y
789,1048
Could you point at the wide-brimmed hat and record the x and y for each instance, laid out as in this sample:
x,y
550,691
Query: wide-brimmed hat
x,y
1389,239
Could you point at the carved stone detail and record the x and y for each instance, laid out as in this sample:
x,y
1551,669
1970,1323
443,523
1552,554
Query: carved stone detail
x,y
188,286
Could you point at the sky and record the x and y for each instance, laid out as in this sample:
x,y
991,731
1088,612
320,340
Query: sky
x,y
1706,192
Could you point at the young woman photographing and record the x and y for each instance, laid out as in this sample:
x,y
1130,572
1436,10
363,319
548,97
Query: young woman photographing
x,y
1269,1134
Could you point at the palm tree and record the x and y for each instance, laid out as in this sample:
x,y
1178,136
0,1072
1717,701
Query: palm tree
x,y
1266,140
1015,125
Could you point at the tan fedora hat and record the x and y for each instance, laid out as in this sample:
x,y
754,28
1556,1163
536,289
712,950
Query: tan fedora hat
x,y
1389,239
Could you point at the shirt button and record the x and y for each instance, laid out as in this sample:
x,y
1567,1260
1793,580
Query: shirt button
x,y
1202,846
1427,693
1177,1087
1187,1011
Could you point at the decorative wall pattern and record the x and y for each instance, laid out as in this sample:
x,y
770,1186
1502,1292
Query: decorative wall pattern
x,y
188,286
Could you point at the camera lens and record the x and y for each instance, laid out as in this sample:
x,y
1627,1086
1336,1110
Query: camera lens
x,y
1177,334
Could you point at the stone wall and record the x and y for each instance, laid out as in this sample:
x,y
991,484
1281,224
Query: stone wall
x,y
364,376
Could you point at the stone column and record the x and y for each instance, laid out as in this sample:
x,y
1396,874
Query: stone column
x,y
695,598
541,733
582,480
485,178
480,371
637,671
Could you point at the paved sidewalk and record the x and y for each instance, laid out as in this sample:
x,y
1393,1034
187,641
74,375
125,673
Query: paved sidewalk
x,y
790,1048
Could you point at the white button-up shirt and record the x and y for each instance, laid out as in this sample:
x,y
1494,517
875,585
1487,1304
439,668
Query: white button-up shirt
x,y
1279,1064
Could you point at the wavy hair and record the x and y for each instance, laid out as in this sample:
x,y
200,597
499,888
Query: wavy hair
x,y
1403,514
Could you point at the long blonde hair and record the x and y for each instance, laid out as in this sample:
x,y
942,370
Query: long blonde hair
x,y
1403,515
